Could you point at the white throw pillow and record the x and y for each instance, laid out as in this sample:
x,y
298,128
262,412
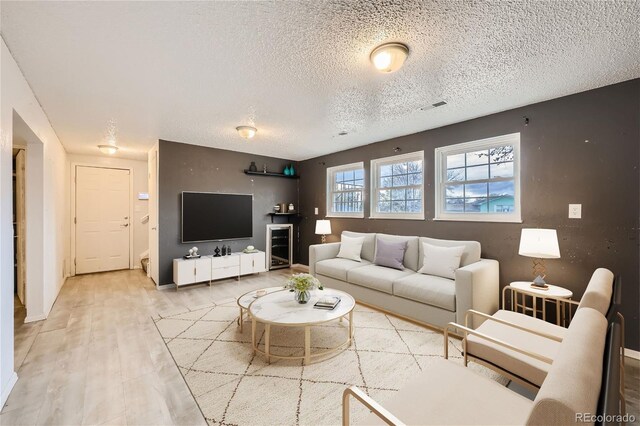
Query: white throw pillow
x,y
441,261
351,247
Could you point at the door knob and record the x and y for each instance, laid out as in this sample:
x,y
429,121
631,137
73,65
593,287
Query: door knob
x,y
125,225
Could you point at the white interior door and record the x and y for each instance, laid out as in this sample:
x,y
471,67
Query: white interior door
x,y
153,215
21,225
102,219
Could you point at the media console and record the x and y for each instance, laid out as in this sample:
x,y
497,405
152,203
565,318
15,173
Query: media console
x,y
210,268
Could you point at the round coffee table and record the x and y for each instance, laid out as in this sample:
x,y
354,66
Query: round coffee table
x,y
279,308
246,299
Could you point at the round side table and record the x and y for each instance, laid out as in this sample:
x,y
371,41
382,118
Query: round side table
x,y
520,290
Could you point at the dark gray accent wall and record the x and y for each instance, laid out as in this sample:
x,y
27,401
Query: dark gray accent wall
x,y
582,148
184,167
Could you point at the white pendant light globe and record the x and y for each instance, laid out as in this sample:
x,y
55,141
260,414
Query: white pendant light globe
x,y
389,57
108,149
246,132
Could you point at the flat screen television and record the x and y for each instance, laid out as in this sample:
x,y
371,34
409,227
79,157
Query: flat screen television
x,y
208,216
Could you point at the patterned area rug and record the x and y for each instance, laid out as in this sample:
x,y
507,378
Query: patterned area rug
x,y
234,387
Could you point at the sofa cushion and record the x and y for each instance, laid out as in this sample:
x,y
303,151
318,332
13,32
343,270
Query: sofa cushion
x,y
376,277
428,289
441,261
369,245
390,254
410,255
471,253
337,268
350,248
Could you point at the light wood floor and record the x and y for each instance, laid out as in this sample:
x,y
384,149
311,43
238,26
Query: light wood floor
x,y
98,358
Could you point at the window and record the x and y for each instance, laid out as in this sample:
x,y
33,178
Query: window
x,y
398,187
479,181
345,190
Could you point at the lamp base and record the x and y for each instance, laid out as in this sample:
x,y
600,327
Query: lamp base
x,y
324,238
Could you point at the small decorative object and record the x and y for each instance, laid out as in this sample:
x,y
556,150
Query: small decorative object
x,y
539,283
190,252
250,249
291,207
228,250
253,167
283,207
264,168
224,250
261,292
301,285
286,171
216,252
292,171
195,251
276,208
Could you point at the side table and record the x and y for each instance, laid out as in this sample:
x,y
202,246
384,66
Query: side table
x,y
522,292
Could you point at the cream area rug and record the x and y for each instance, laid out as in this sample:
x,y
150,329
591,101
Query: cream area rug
x,y
234,387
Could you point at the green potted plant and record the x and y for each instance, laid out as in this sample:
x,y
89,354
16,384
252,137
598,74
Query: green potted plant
x,y
301,285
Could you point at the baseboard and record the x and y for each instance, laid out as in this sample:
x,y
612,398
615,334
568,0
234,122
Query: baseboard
x,y
632,354
300,267
33,318
8,388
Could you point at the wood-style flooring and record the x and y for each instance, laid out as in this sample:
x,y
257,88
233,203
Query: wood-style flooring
x,y
98,358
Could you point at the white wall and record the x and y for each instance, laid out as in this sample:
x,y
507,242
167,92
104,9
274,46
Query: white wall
x,y
15,94
140,184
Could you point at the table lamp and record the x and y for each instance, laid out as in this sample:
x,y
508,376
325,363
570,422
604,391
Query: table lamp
x,y
540,244
323,227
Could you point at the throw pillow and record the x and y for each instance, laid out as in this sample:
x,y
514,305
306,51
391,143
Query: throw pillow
x,y
441,261
350,248
390,254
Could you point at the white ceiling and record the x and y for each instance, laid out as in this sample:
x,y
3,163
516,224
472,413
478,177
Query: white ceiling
x,y
299,70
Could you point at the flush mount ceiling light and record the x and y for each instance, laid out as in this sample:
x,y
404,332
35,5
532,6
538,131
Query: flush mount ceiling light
x,y
246,132
110,148
389,57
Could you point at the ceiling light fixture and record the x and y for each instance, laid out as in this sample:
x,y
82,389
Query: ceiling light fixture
x,y
389,57
110,147
246,132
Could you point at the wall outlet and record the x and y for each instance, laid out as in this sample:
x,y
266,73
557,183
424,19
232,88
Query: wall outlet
x,y
575,211
315,209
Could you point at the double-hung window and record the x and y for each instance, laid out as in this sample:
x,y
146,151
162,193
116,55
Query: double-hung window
x,y
397,187
479,180
345,190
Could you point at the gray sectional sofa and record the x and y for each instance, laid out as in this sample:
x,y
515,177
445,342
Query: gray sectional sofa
x,y
426,298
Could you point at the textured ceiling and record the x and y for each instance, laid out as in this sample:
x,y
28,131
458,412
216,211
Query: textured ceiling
x,y
299,71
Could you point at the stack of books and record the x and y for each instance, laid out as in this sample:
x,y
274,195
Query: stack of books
x,y
327,302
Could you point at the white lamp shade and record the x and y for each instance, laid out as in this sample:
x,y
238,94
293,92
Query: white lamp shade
x,y
323,227
539,243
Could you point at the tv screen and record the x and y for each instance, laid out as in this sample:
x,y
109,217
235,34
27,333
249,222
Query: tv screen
x,y
213,217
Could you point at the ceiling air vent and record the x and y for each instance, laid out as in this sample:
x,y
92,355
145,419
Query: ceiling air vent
x,y
432,106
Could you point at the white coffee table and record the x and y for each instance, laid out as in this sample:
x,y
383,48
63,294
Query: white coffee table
x,y
246,299
279,308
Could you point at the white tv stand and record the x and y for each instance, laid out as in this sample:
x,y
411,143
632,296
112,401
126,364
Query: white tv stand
x,y
210,268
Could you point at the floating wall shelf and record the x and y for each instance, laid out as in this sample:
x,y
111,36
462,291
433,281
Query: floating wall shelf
x,y
272,174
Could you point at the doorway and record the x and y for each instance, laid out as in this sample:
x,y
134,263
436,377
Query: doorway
x,y
102,219
19,225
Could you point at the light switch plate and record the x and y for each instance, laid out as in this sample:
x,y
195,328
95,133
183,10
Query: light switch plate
x,y
315,209
575,211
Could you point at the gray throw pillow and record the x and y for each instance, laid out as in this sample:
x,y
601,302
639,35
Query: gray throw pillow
x,y
390,254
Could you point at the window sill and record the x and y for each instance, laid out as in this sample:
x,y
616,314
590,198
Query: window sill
x,y
477,219
345,216
397,217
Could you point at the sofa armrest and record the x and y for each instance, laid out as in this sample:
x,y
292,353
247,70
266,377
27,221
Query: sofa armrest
x,y
477,287
318,252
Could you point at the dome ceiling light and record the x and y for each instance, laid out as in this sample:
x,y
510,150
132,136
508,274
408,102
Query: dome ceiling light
x,y
389,57
246,132
110,147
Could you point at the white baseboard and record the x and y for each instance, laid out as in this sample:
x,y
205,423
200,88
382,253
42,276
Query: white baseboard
x,y
7,389
33,318
300,267
632,354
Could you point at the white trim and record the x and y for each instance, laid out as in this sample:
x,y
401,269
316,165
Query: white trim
x,y
374,165
8,388
631,353
74,174
300,267
329,194
439,169
34,318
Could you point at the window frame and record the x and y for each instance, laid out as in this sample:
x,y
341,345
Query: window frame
x,y
441,154
375,165
331,172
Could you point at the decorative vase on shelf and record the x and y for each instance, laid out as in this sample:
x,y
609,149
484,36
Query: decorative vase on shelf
x,y
302,296
292,171
253,167
286,171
